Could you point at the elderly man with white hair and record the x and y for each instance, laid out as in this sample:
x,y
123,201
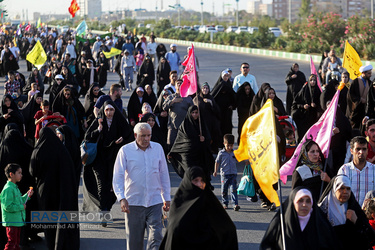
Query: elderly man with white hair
x,y
141,184
357,97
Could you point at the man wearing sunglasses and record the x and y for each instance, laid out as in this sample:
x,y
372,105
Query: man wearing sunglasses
x,y
245,77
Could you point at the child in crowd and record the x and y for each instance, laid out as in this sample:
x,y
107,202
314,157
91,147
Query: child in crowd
x,y
13,205
139,59
33,91
228,170
40,117
290,138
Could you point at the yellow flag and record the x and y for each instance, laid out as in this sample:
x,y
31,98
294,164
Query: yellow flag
x,y
351,62
112,52
37,55
259,146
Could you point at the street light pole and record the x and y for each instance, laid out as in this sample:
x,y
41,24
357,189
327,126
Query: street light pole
x,y
290,11
179,15
237,14
201,12
372,9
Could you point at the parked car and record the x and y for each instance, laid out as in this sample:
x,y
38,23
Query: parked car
x,y
219,28
231,29
141,25
149,26
251,30
196,27
275,31
211,30
178,27
241,29
202,29
186,27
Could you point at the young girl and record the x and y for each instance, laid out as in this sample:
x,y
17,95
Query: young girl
x,y
139,59
33,91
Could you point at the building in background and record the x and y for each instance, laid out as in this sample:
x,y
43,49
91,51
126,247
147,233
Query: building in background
x,y
90,8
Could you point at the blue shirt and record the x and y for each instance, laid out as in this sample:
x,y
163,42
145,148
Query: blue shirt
x,y
240,79
129,47
227,162
101,100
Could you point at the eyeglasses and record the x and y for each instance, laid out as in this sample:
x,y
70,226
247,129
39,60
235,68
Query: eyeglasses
x,y
245,67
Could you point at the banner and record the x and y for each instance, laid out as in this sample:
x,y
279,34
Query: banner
x,y
113,52
258,145
352,61
320,132
73,8
189,85
313,71
81,28
37,55
39,23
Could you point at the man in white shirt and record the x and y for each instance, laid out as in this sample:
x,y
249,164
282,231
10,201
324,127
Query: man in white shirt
x,y
141,184
245,77
151,50
360,172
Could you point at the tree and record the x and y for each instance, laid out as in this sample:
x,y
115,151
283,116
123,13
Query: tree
x,y
304,11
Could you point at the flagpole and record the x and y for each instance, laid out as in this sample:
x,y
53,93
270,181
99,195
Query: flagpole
x,y
282,216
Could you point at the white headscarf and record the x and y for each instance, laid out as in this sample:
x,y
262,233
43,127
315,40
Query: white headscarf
x,y
303,220
336,210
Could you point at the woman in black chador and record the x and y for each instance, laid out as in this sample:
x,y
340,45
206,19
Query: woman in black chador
x,y
146,73
197,220
55,176
110,132
10,114
91,97
192,147
294,80
244,98
162,74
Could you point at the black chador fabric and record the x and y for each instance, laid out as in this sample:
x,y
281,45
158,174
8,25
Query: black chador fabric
x,y
162,75
360,235
256,104
197,220
31,79
163,121
356,109
156,135
15,115
54,173
330,91
28,111
277,103
147,67
71,143
370,107
150,99
243,101
55,90
188,150
97,177
210,112
318,233
305,118
294,86
14,149
102,70
225,97
90,100
135,106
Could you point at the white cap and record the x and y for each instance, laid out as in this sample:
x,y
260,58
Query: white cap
x,y
173,45
365,68
59,77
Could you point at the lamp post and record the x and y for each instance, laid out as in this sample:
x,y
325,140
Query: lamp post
x,y
237,13
201,12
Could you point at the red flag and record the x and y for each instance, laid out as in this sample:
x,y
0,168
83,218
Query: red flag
x,y
27,28
73,8
189,85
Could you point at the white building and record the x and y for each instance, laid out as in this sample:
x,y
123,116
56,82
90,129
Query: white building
x,y
90,8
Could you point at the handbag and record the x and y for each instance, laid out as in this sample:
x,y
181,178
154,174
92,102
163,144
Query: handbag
x,y
246,186
89,151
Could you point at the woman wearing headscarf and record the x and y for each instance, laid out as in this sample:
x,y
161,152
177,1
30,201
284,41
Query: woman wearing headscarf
x,y
309,171
256,104
210,112
110,132
161,114
28,111
197,220
346,216
33,77
88,74
92,95
58,84
70,141
161,50
156,135
278,105
136,101
150,96
146,73
294,80
192,146
103,66
306,108
55,187
71,108
162,74
305,226
14,149
225,97
244,98
10,114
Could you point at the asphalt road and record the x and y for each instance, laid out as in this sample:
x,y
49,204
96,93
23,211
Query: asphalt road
x,y
251,220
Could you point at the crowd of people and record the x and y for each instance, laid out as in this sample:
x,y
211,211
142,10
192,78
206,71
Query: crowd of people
x,y
43,124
